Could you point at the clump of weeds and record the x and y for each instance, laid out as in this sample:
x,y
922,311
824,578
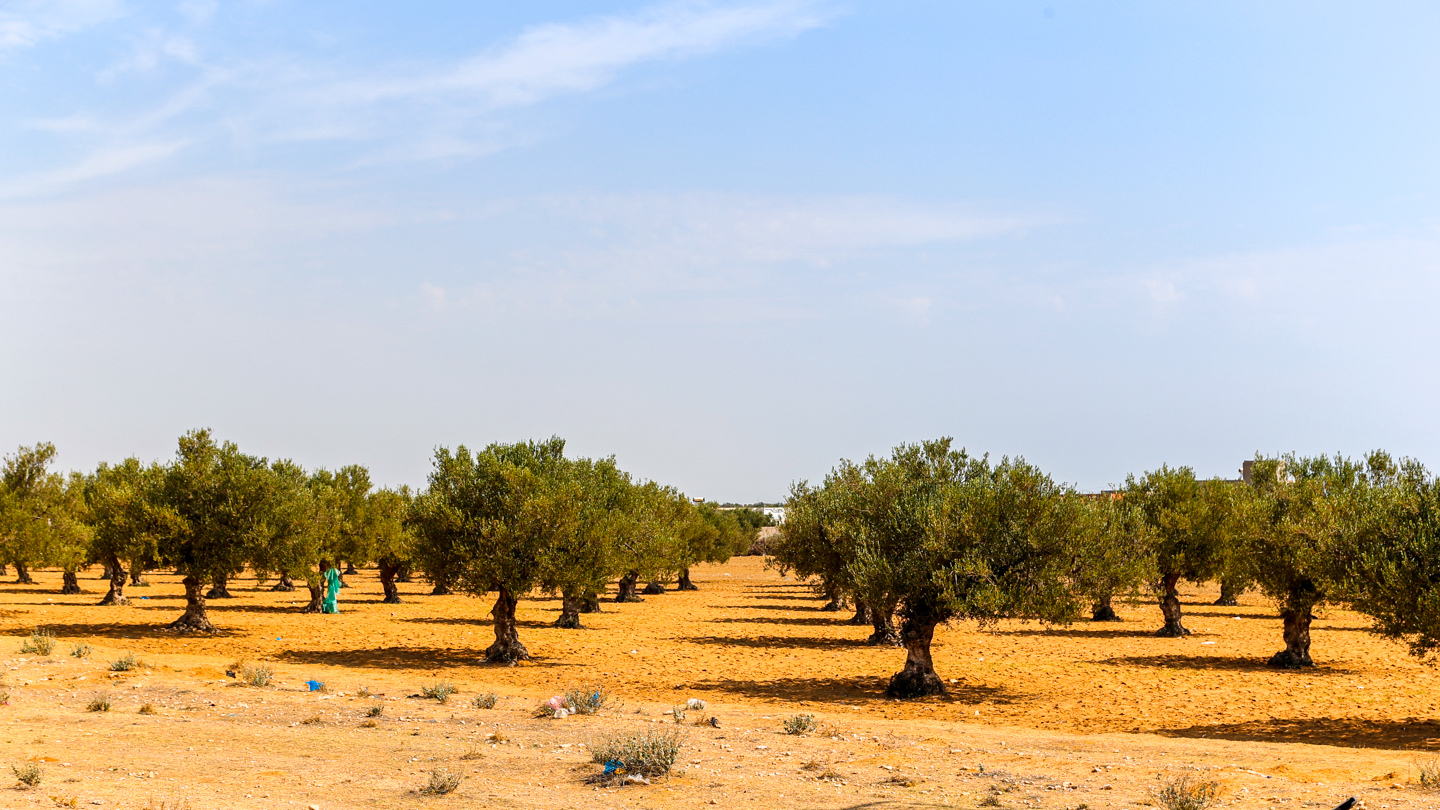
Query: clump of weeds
x,y
40,642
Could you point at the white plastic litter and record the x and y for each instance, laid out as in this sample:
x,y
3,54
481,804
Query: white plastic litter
x,y
695,704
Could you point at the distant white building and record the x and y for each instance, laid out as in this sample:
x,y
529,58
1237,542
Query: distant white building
x,y
775,513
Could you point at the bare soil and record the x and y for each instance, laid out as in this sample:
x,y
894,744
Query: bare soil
x,y
1098,714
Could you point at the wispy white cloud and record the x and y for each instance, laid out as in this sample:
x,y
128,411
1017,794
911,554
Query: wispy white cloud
x,y
24,23
100,163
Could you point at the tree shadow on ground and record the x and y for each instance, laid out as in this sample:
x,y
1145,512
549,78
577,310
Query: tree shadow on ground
x,y
1089,630
402,658
767,642
1255,665
123,631
1408,734
834,619
476,621
794,608
841,690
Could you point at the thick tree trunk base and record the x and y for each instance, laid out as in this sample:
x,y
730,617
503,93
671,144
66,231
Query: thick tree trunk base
x,y
349,568
685,584
862,615
137,579
1104,613
1173,630
508,652
392,597
507,648
72,584
1285,659
283,586
403,575
114,598
22,575
1227,601
590,604
317,596
219,590
569,618
193,620
627,589
914,683
884,636
440,589
653,589
833,606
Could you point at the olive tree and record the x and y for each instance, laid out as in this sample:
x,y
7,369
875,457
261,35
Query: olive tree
x,y
390,538
1196,529
1115,554
961,539
128,519
217,496
708,534
25,490
645,544
593,503
810,547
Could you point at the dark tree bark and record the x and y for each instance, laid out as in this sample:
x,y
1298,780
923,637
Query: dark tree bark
x,y
1296,654
627,588
570,607
403,575
862,614
507,648
3,572
441,588
136,575
685,584
220,589
194,618
349,569
918,678
590,603
387,583
116,594
71,583
653,589
317,595
105,571
883,624
22,574
1229,594
1170,607
1102,611
833,602
284,585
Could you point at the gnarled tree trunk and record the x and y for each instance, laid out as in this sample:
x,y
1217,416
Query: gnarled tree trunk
x,y
194,618
22,574
507,648
653,589
220,589
136,574
883,624
349,569
285,585
833,602
570,605
317,595
1229,594
105,571
71,583
862,614
387,583
918,678
1170,607
590,603
685,584
1296,654
442,588
627,588
116,594
403,575
3,571
1102,611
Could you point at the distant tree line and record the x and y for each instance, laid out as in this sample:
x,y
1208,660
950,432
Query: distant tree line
x,y
932,534
509,519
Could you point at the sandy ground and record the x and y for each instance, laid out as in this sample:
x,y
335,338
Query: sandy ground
x,y
1093,715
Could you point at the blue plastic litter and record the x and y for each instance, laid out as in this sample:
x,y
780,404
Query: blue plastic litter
x,y
315,686
612,766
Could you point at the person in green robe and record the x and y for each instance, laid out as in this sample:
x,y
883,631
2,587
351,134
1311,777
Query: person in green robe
x,y
332,586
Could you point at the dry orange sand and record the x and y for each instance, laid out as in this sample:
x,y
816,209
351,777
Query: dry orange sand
x,y
1087,714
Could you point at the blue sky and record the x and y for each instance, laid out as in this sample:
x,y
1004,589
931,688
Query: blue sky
x,y
727,242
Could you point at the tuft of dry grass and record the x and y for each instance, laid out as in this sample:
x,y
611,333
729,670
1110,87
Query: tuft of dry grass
x,y
99,704
485,701
440,692
1429,771
800,724
147,709
40,642
442,781
651,752
28,773
1187,792
369,724
313,720
376,710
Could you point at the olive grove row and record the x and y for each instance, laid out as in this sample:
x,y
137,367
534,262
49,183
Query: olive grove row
x,y
932,534
508,519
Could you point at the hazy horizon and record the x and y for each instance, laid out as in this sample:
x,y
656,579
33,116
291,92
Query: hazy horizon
x,y
729,243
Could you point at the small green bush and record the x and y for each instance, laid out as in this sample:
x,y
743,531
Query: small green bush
x,y
442,781
649,753
1429,774
1186,792
438,691
29,773
800,724
257,675
485,701
124,663
40,642
589,699
99,704
147,709
81,651
376,710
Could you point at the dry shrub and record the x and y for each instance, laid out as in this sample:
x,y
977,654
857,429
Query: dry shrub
x,y
125,663
147,709
40,642
1429,774
440,692
313,720
376,710
28,773
257,675
99,704
1186,792
800,724
649,753
442,781
485,701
